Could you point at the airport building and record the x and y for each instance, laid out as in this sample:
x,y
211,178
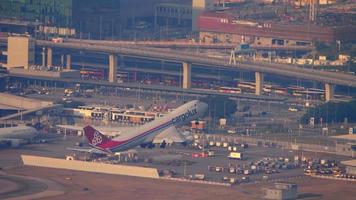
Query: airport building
x,y
225,27
21,57
113,114
86,19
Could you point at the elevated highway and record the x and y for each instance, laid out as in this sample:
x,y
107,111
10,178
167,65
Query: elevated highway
x,y
154,88
333,78
188,44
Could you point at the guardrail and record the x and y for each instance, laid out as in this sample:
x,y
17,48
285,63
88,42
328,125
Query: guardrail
x,y
196,181
332,178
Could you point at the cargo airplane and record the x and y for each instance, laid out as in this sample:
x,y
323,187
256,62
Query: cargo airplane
x,y
15,136
144,134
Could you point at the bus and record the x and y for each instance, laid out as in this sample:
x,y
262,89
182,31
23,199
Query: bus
x,y
275,89
92,74
248,87
309,93
230,90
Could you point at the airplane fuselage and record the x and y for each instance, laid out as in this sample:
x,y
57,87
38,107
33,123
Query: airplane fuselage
x,y
145,133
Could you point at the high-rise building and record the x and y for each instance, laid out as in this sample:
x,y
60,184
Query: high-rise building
x,y
84,18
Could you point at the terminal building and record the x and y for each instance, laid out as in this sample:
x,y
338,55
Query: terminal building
x,y
113,114
224,27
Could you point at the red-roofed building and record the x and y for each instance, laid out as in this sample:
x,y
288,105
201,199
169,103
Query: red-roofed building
x,y
223,27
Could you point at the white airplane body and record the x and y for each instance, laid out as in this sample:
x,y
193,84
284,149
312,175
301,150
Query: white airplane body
x,y
145,133
17,135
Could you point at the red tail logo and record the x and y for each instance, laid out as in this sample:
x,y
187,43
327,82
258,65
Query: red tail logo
x,y
94,136
97,139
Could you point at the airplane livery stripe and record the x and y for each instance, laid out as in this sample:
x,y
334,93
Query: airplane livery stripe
x,y
112,148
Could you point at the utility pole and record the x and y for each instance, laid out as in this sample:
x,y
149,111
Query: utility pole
x,y
313,10
100,27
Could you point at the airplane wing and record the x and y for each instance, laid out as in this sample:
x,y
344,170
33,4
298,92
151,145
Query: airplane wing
x,y
170,135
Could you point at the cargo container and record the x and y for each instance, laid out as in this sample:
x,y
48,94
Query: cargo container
x,y
245,179
232,148
225,178
233,180
225,144
247,172
232,170
211,153
199,176
235,155
219,169
244,146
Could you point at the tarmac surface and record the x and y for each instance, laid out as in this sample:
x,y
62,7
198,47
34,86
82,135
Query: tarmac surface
x,y
25,182
21,187
82,185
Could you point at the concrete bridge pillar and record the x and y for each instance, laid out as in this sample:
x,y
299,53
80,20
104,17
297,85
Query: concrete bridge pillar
x,y
43,57
68,61
187,69
329,91
259,83
112,68
49,57
62,60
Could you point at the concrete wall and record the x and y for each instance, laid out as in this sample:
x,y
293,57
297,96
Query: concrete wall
x,y
22,102
51,74
21,52
89,166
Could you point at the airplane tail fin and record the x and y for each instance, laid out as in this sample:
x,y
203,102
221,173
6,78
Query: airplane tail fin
x,y
94,137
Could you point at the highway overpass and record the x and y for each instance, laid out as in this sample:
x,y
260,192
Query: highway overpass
x,y
154,89
189,59
197,59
